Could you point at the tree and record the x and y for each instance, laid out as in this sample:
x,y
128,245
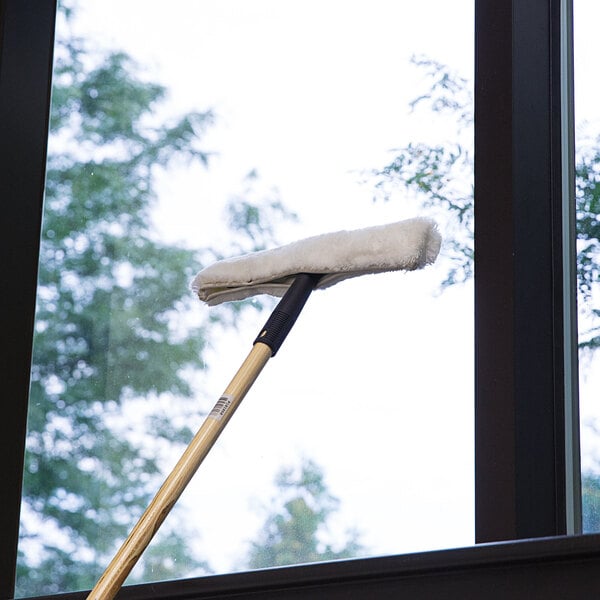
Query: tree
x,y
587,196
590,490
112,333
294,532
440,175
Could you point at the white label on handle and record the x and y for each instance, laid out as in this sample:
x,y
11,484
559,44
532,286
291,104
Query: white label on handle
x,y
221,407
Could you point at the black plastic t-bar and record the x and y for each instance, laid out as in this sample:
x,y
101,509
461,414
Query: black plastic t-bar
x,y
286,312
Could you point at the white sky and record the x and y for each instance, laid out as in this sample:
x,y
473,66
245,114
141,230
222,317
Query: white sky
x,y
375,383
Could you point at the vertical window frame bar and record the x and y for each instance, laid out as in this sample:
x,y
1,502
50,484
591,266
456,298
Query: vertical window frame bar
x,y
26,51
495,459
571,354
521,453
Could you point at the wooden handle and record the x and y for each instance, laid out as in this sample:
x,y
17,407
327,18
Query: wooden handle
x,y
117,571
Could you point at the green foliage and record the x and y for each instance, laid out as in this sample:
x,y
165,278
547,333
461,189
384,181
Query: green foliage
x,y
440,175
448,92
588,237
164,561
245,213
293,532
112,331
590,484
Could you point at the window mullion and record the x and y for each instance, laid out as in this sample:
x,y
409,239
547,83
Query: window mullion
x,y
26,47
569,219
520,343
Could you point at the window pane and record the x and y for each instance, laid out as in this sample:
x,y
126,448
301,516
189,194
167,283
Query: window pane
x,y
220,128
587,143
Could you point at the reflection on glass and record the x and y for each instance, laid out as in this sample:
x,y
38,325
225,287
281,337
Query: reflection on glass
x,y
587,146
217,129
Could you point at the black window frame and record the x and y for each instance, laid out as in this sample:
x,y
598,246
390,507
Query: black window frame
x,y
526,450
526,463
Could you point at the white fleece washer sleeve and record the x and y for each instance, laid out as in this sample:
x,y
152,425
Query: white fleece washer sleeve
x,y
405,245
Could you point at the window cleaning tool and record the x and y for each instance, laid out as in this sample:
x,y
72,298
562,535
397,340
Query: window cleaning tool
x,y
291,271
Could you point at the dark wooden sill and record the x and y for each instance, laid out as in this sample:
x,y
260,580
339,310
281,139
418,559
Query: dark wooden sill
x,y
548,568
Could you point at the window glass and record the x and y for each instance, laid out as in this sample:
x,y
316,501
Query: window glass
x,y
213,129
587,146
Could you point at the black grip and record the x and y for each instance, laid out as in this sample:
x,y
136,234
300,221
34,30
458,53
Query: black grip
x,y
287,310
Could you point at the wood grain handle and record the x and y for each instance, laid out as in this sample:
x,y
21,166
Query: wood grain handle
x,y
127,556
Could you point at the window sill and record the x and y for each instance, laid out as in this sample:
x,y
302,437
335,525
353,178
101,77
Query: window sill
x,y
542,568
